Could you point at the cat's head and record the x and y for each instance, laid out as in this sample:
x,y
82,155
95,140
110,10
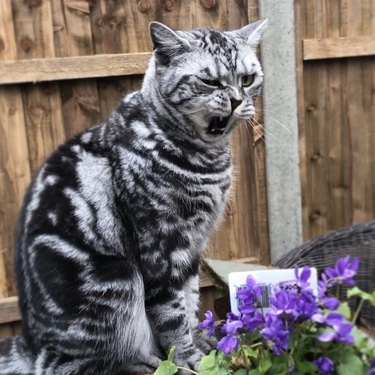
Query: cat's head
x,y
208,76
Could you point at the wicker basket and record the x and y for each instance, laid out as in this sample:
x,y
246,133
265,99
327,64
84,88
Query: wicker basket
x,y
324,250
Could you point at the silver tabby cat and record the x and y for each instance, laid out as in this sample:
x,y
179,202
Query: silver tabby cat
x,y
115,222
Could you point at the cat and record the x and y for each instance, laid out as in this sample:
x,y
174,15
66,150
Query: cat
x,y
114,224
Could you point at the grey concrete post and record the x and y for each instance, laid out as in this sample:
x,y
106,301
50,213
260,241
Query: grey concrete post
x,y
281,126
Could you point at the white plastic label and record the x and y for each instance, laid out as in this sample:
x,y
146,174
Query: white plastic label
x,y
267,280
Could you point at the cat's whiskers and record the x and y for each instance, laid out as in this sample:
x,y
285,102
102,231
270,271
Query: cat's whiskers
x,y
283,126
254,131
265,131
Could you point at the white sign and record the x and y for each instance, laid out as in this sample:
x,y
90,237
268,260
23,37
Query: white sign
x,y
267,280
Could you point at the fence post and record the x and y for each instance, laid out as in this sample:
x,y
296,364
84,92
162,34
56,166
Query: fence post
x,y
281,127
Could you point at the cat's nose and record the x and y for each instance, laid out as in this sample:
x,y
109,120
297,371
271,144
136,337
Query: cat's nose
x,y
235,103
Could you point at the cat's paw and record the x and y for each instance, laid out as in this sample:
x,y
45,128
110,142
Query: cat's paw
x,y
203,342
189,359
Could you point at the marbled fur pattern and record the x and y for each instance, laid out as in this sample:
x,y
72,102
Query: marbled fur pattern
x,y
115,222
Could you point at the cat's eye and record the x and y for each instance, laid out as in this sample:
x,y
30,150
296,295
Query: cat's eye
x,y
211,82
247,80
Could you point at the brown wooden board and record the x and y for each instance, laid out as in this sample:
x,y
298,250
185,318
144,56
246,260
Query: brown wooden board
x,y
336,112
14,155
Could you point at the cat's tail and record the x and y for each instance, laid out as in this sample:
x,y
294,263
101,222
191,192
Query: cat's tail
x,y
15,358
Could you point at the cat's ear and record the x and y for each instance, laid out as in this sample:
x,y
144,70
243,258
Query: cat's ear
x,y
167,43
253,32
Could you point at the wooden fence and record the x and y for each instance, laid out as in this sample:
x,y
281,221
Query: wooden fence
x,y
336,80
64,65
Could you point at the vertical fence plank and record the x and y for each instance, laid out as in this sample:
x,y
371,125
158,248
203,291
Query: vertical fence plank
x,y
258,152
14,158
315,99
120,27
360,91
43,120
73,37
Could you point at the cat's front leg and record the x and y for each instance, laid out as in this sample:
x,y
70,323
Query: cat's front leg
x,y
168,313
201,340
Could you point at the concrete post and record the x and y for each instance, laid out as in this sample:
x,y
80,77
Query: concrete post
x,y
281,126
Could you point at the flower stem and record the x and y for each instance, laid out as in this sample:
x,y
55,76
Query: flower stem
x,y
357,311
256,344
187,369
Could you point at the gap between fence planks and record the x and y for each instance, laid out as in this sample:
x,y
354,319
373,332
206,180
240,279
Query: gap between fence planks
x,y
77,67
330,48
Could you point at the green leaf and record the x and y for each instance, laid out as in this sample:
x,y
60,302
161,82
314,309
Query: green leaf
x,y
223,360
241,371
264,365
278,369
254,372
360,338
356,292
213,364
208,361
250,352
215,371
166,368
344,309
352,365
305,367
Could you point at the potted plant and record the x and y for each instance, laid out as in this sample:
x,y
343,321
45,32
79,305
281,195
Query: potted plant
x,y
301,333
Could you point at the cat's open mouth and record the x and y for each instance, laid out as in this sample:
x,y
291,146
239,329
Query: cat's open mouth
x,y
217,125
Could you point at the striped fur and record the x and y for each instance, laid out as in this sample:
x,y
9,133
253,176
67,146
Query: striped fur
x,y
114,224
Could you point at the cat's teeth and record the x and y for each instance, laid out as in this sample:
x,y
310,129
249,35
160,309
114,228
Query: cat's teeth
x,y
221,118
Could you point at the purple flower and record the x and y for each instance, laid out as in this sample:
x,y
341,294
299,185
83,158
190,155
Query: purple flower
x,y
284,304
208,323
230,341
248,295
330,303
231,327
330,319
253,321
372,369
344,270
276,332
227,344
334,319
302,279
325,365
306,304
324,284
341,330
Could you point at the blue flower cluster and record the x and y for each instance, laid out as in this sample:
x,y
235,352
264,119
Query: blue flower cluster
x,y
290,308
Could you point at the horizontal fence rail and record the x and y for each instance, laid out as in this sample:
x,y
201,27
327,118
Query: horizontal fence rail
x,y
9,311
77,67
331,48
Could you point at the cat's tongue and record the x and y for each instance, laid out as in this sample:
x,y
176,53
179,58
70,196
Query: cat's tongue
x,y
217,125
